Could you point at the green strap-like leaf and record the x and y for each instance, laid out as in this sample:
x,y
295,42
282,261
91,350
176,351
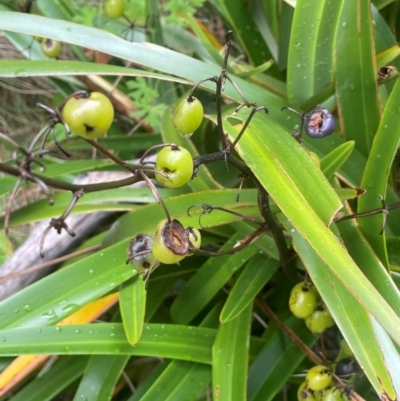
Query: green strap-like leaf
x,y
310,64
158,340
100,377
356,81
376,173
277,360
230,358
208,280
132,304
52,383
252,279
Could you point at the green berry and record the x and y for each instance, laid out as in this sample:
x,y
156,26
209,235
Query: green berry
x,y
305,394
140,253
114,8
334,394
174,165
194,237
303,300
188,116
51,48
345,348
319,321
88,116
318,378
171,243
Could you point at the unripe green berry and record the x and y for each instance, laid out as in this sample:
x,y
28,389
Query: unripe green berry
x,y
334,394
188,116
174,165
51,48
114,8
305,394
318,378
303,300
319,321
89,117
171,242
345,348
194,237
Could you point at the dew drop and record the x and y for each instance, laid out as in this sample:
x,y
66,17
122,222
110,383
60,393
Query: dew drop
x,y
27,307
344,24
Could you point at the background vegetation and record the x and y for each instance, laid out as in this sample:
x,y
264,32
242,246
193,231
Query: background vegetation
x,y
211,328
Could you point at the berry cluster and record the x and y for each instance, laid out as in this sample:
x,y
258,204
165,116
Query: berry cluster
x,y
305,303
318,386
170,244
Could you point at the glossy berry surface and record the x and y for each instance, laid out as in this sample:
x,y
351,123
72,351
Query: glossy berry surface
x,y
171,242
303,300
318,378
346,367
140,253
89,117
188,116
51,48
319,123
176,165
345,348
194,237
114,8
334,394
319,321
305,394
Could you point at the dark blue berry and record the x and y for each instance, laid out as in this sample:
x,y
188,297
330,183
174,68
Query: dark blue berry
x,y
319,123
346,367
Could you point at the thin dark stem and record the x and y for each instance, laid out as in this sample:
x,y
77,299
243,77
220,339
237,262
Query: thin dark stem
x,y
198,83
207,209
72,187
218,96
114,158
155,192
244,243
246,124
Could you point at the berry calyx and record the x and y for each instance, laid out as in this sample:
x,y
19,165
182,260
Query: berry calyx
x,y
318,378
174,165
188,116
319,321
171,243
114,8
88,116
320,123
140,253
51,48
303,300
